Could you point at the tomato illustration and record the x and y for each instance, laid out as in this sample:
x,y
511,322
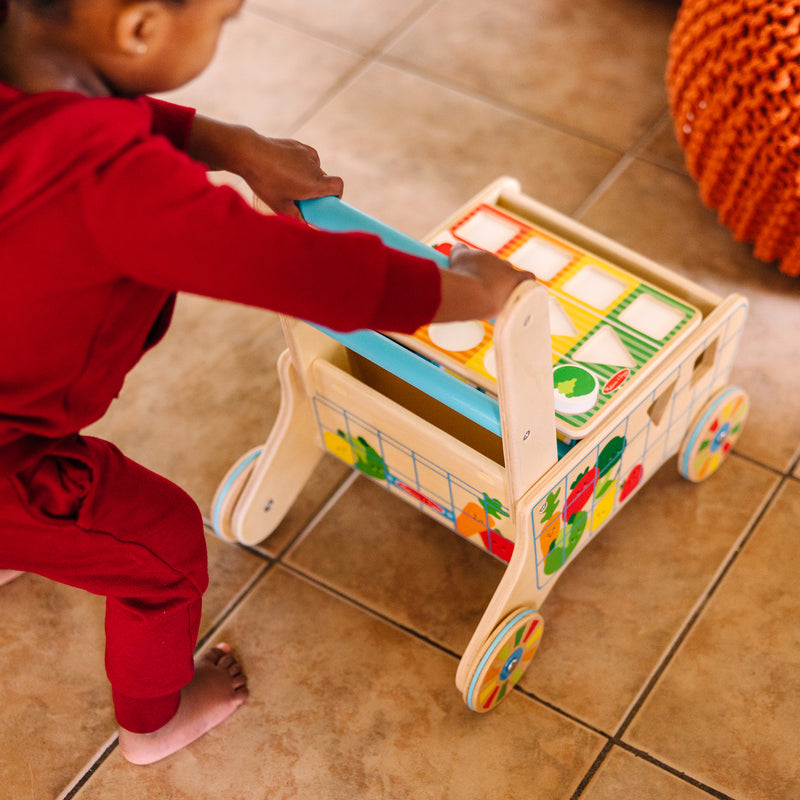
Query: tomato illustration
x,y
497,544
581,492
631,482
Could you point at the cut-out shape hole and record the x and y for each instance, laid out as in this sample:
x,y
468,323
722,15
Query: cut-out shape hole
x,y
560,323
487,231
490,362
541,258
604,347
661,403
456,336
651,316
594,287
704,362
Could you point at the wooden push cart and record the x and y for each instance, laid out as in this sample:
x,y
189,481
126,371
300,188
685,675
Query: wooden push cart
x,y
525,435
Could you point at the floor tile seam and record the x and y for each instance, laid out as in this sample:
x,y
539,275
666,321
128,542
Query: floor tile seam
x,y
653,761
365,57
374,613
523,113
628,157
386,41
106,749
777,471
696,612
327,97
276,18
330,501
224,616
352,600
85,775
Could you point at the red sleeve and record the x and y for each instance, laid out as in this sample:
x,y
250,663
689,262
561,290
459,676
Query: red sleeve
x,y
156,219
171,120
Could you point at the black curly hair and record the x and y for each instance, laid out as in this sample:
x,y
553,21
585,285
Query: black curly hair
x,y
51,7
55,8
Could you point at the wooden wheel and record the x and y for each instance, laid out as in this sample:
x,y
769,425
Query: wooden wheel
x,y
713,434
229,492
504,659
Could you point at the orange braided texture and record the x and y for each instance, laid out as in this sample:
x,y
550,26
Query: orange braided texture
x,y
733,79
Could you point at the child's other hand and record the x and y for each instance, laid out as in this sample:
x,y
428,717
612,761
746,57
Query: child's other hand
x,y
281,171
477,285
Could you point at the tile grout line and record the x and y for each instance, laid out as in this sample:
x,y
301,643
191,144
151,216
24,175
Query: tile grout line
x,y
361,605
306,529
643,754
702,603
499,104
626,159
369,57
670,653
84,775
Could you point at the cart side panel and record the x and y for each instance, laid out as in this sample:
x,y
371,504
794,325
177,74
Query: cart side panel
x,y
584,491
434,472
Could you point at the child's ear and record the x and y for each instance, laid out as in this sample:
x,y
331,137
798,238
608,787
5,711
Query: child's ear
x,y
139,25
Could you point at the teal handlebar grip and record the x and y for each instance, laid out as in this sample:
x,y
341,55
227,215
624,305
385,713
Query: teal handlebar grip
x,y
333,214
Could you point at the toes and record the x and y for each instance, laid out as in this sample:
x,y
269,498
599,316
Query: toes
x,y
223,659
239,683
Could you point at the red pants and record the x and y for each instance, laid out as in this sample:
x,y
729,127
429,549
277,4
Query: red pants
x,y
87,516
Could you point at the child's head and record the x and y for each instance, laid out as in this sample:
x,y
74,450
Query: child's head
x,y
128,46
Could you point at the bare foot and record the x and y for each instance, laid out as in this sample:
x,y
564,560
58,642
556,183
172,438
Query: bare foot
x,y
8,575
217,689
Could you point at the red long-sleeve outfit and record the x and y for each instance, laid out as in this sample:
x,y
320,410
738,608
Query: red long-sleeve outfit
x,y
103,219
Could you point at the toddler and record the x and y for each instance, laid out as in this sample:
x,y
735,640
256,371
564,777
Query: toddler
x,y
105,214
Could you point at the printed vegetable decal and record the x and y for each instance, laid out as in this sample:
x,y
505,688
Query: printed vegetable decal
x,y
582,490
631,482
550,505
566,543
604,502
418,496
356,452
338,444
610,454
497,544
478,519
549,534
575,389
605,490
548,509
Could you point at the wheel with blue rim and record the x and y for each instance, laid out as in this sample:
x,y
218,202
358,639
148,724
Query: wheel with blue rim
x,y
228,493
713,434
503,659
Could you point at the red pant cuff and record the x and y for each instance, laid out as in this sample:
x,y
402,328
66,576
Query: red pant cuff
x,y
145,714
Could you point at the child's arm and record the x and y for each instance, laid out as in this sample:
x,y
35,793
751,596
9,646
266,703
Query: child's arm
x,y
279,171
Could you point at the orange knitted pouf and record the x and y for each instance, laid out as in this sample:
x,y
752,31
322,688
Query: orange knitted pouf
x,y
734,88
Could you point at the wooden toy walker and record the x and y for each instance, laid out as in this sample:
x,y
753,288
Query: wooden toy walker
x,y
526,435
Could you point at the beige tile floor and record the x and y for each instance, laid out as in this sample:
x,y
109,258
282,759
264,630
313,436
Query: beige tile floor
x,y
670,667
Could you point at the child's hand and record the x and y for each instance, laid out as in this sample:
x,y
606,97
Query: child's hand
x,y
283,170
279,171
477,285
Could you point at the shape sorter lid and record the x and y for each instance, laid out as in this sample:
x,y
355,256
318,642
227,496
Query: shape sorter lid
x,y
607,324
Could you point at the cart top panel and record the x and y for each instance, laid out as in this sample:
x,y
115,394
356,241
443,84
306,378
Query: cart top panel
x,y
608,327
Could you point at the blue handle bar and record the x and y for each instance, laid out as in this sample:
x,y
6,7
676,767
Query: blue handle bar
x,y
333,214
